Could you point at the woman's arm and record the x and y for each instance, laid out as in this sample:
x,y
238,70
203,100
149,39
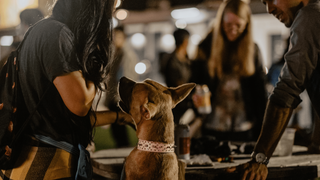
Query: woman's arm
x,y
76,93
109,117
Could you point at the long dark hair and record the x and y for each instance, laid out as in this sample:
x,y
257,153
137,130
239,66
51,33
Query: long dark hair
x,y
91,23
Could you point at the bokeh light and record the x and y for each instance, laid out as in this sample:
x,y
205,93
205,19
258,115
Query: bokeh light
x,y
115,22
6,40
121,14
118,3
23,4
167,42
266,70
140,68
138,40
195,39
181,24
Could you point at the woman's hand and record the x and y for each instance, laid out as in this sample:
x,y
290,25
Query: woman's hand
x,y
197,100
109,117
124,118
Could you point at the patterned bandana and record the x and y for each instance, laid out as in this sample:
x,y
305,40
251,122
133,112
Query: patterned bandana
x,y
152,146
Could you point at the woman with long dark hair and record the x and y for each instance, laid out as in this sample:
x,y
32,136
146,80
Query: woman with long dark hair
x,y
63,62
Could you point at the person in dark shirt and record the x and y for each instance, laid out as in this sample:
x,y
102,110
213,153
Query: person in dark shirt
x,y
65,55
178,71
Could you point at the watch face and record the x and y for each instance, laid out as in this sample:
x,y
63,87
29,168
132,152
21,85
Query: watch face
x,y
260,157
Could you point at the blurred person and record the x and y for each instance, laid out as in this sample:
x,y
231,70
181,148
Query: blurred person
x,y
28,17
230,64
178,65
125,55
69,57
177,69
300,72
125,61
275,69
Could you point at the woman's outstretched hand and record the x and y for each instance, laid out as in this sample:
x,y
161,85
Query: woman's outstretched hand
x,y
251,171
124,118
197,100
110,117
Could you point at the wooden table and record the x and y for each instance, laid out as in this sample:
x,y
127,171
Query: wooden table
x,y
300,166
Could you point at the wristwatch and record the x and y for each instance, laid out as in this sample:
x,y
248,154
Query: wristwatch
x,y
260,158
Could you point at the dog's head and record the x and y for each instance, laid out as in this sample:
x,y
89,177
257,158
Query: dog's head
x,y
149,100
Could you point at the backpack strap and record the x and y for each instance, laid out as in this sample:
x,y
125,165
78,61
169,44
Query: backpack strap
x,y
28,119
16,53
84,167
59,144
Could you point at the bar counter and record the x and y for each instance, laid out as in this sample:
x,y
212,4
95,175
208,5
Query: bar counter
x,y
107,164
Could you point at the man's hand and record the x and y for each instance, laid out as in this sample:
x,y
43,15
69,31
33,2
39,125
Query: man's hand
x,y
251,171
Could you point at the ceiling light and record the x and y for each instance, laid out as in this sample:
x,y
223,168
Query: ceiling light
x,y
189,15
185,13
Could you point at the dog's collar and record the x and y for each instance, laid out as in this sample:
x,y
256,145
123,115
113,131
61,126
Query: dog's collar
x,y
153,146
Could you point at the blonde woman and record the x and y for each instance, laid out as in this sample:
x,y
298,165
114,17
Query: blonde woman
x,y
229,62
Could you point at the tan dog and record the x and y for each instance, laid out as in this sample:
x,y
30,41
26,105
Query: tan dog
x,y
150,105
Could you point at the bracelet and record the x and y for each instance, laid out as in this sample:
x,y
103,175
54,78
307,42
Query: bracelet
x,y
117,116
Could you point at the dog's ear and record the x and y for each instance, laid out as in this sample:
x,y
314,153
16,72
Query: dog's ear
x,y
125,93
145,112
127,84
179,93
148,111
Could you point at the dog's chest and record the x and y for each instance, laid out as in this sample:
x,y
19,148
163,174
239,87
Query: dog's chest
x,y
143,165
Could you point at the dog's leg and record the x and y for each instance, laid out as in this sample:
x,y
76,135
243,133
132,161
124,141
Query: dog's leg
x,y
182,170
123,172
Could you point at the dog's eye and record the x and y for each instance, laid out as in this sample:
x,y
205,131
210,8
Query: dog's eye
x,y
151,102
